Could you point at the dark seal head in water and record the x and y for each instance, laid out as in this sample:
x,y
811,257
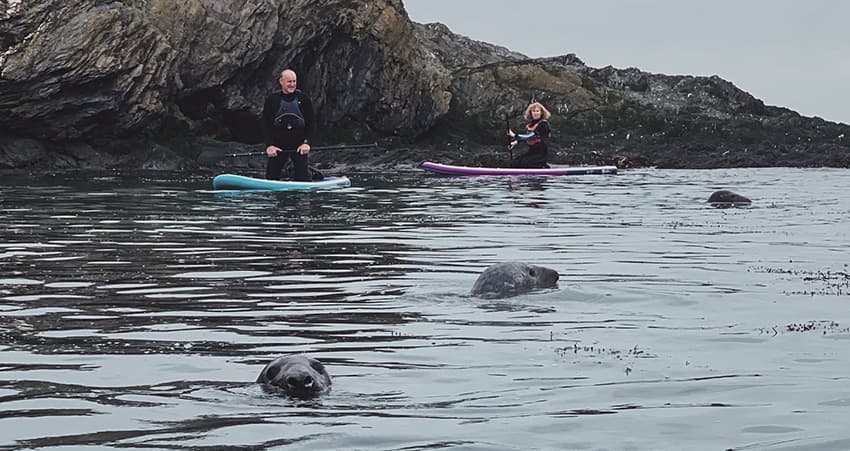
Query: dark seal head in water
x,y
297,376
512,278
726,199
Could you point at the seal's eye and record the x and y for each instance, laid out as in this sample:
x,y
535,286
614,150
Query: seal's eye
x,y
318,366
272,372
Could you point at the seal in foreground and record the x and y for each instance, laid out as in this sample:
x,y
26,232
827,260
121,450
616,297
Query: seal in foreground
x,y
297,376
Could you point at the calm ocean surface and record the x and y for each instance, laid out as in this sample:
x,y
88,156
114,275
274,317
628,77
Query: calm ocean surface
x,y
136,310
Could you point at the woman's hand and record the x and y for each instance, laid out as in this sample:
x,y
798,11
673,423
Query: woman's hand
x,y
511,133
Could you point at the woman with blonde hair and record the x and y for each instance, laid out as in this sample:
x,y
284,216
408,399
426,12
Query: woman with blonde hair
x,y
537,136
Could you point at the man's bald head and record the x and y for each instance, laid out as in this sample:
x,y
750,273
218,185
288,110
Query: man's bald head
x,y
288,81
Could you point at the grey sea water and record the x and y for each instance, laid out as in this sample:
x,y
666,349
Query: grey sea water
x,y
136,310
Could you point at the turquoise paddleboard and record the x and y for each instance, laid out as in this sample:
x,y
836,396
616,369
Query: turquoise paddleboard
x,y
240,182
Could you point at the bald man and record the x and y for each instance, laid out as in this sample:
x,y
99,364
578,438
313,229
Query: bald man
x,y
288,125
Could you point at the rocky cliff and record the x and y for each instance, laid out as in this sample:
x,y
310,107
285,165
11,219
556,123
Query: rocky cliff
x,y
152,83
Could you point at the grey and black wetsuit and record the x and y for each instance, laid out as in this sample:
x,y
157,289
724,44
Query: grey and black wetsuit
x,y
288,122
537,138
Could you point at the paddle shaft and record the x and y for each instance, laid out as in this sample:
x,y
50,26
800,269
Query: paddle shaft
x,y
508,127
352,146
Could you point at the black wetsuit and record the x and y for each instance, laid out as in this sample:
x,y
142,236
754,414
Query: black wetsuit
x,y
538,149
287,123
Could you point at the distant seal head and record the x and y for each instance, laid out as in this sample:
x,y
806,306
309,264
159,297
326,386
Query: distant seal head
x,y
508,279
297,376
726,199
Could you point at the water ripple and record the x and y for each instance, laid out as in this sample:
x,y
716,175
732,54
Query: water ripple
x,y
139,308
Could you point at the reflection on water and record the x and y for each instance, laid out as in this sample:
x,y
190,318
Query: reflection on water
x,y
138,309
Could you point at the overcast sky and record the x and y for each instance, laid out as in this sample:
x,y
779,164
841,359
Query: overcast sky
x,y
791,53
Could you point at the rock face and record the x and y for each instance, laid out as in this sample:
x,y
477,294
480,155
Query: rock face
x,y
140,83
455,51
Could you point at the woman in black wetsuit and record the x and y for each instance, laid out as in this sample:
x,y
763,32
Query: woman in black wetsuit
x,y
537,137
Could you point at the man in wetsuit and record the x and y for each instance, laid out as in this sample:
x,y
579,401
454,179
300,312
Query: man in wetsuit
x,y
287,125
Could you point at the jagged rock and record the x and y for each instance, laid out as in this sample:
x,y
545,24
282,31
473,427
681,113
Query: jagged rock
x,y
456,51
81,70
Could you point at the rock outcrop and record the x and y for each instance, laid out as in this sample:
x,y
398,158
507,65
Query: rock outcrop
x,y
152,83
119,75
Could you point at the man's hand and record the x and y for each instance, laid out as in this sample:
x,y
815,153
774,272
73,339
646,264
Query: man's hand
x,y
273,150
304,149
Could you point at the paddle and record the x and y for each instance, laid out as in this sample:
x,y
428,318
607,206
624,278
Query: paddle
x,y
508,127
212,156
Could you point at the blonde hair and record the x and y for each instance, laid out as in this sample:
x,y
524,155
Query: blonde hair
x,y
537,105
